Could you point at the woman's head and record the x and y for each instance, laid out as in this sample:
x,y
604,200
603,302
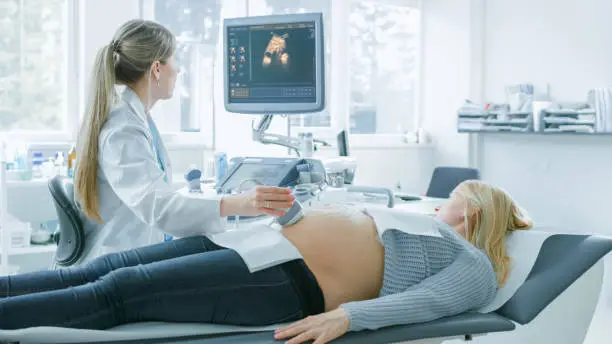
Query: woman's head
x,y
140,56
484,214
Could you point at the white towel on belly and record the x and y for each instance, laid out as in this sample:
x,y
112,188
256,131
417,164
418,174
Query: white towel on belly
x,y
259,244
405,221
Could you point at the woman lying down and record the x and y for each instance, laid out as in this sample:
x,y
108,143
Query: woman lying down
x,y
348,280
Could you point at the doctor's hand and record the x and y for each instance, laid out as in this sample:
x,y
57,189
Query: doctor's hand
x,y
269,200
321,328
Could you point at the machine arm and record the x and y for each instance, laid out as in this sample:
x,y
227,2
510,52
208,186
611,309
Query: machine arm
x,y
260,135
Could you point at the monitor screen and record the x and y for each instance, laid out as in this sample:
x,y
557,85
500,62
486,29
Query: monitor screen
x,y
264,173
274,64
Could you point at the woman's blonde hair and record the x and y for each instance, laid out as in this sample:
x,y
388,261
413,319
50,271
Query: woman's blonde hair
x,y
128,58
496,214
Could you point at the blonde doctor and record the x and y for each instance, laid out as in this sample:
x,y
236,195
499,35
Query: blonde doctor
x,y
123,177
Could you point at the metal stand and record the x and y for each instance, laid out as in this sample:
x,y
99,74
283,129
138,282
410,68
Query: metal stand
x,y
260,135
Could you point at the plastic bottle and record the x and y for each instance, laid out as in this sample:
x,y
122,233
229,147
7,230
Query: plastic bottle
x,y
306,144
71,161
20,158
60,164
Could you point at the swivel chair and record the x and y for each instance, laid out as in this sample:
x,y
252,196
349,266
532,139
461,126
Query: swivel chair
x,y
444,179
70,237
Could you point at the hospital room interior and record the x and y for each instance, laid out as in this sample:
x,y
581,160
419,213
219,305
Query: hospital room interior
x,y
385,104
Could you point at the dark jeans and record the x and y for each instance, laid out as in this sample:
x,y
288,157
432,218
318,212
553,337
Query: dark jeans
x,y
185,280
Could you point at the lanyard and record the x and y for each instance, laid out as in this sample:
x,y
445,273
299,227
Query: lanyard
x,y
156,139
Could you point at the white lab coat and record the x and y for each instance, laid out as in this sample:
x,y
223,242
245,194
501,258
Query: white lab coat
x,y
137,204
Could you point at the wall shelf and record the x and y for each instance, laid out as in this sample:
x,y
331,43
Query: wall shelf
x,y
544,133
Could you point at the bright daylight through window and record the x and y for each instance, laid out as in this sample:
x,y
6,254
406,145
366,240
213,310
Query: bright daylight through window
x,y
33,59
196,25
383,50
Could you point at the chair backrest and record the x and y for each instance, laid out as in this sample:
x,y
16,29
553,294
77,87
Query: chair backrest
x,y
70,238
445,178
563,258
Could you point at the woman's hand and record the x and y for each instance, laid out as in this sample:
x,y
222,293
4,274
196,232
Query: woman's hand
x,y
321,328
269,200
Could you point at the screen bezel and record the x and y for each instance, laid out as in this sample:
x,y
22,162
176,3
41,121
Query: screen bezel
x,y
278,108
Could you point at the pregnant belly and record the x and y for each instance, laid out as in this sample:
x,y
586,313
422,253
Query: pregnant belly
x,y
340,246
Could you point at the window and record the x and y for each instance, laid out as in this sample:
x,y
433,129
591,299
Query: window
x,y
196,26
34,55
383,50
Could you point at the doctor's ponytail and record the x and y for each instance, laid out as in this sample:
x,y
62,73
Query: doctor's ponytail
x,y
101,98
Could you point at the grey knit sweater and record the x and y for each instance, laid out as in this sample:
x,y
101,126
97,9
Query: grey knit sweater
x,y
426,278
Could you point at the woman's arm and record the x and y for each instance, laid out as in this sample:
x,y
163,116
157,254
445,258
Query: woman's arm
x,y
128,162
468,283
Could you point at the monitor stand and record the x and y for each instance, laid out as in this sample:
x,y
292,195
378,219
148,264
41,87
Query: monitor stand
x,y
260,135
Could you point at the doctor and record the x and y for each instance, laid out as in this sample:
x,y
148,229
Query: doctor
x,y
122,179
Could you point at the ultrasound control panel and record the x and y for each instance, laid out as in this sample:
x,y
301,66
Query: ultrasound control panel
x,y
281,172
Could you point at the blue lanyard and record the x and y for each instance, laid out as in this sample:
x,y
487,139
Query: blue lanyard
x,y
160,162
156,139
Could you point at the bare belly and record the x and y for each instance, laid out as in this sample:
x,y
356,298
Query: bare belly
x,y
340,246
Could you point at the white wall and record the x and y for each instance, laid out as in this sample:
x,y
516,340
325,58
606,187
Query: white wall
x,y
446,75
562,180
566,44
563,43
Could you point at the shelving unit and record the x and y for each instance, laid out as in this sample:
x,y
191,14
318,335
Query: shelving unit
x,y
543,133
549,122
560,121
495,121
6,249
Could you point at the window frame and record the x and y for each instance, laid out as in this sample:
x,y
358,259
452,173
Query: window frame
x,y
71,64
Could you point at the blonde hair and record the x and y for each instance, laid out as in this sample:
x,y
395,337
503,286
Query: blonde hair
x,y
496,215
128,58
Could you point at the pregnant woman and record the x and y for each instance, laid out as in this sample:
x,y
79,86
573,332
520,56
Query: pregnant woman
x,y
350,278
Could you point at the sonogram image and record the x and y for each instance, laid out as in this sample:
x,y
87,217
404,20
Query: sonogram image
x,y
275,52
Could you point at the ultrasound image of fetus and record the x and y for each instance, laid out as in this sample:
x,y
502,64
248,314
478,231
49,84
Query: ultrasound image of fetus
x,y
275,53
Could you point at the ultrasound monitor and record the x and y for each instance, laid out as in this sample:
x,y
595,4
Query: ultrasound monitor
x,y
274,64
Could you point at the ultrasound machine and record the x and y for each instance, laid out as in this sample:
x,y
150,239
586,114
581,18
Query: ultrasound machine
x,y
275,66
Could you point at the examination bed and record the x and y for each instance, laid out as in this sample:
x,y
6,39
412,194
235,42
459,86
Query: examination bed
x,y
554,304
